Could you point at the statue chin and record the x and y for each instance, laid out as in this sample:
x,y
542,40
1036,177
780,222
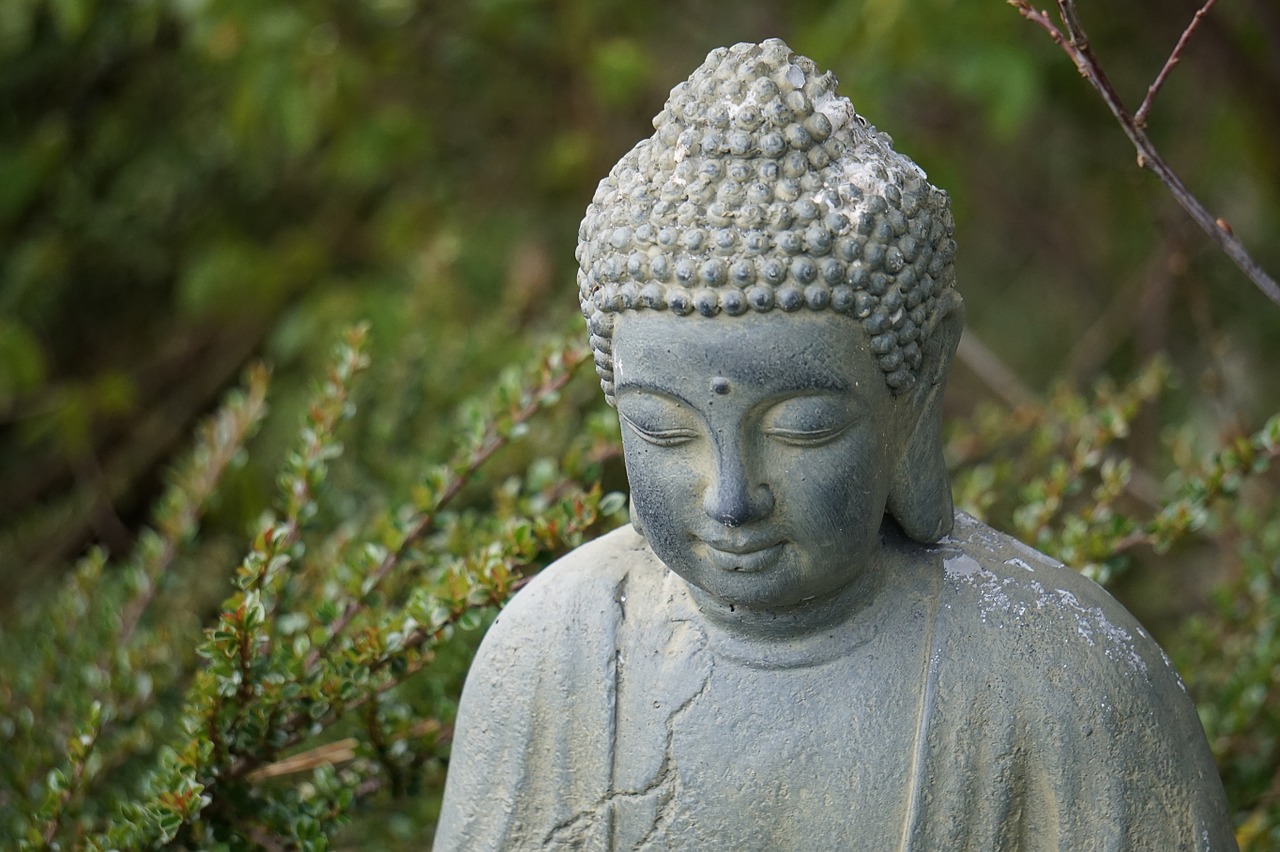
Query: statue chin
x,y
797,644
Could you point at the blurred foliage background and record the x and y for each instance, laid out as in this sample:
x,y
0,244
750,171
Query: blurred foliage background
x,y
188,185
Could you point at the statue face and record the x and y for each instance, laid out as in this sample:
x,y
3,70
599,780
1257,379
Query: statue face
x,y
758,449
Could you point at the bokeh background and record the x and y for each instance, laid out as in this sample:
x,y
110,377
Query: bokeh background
x,y
189,185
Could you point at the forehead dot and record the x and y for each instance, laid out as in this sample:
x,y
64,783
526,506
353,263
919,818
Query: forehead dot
x,y
720,385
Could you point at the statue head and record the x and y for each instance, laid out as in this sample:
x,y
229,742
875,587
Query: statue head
x,y
764,205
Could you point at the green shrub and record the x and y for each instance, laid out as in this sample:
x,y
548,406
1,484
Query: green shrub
x,y
186,186
117,735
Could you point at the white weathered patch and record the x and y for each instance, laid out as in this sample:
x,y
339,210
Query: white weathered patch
x,y
1012,597
963,566
1168,664
838,110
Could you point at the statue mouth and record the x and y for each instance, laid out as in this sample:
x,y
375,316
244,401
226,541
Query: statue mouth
x,y
746,558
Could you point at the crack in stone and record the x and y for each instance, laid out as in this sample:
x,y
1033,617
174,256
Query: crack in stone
x,y
666,772
664,784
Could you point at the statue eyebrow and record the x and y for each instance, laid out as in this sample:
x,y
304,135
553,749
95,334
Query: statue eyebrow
x,y
811,385
650,388
816,384
828,383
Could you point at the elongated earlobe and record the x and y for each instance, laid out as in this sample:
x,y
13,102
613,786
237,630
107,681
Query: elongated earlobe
x,y
919,488
920,491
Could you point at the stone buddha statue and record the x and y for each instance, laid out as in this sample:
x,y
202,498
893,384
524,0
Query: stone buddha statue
x,y
797,644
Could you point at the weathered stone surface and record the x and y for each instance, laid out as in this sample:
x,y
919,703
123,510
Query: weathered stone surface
x,y
798,644
985,698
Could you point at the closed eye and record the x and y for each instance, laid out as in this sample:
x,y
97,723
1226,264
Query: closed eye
x,y
807,437
662,437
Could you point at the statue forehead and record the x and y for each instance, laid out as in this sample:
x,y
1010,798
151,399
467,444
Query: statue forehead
x,y
805,350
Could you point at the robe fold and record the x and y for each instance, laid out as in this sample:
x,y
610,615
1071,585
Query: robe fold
x,y
986,697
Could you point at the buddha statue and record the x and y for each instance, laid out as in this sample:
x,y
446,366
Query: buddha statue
x,y
797,644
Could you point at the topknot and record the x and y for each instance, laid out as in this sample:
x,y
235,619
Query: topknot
x,y
762,189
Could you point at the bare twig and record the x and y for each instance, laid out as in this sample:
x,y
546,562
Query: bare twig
x,y
993,372
1140,117
1002,381
330,754
1137,299
63,521
1076,45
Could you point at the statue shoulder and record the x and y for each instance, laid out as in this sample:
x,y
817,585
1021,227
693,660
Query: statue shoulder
x,y
981,557
1039,665
579,587
537,697
609,557
975,550
1014,595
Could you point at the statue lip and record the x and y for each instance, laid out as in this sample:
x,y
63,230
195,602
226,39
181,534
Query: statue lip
x,y
745,557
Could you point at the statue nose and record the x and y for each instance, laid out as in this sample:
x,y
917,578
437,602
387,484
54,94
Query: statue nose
x,y
731,498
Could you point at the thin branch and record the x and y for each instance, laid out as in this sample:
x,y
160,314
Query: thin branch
x,y
993,372
331,754
222,437
1002,381
1076,45
1071,21
1140,117
494,439
296,725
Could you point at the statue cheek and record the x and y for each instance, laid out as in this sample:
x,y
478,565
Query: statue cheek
x,y
664,501
653,492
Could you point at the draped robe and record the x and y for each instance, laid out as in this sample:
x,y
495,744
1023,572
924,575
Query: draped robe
x,y
985,697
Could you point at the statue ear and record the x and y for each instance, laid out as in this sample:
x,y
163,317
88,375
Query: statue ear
x,y
919,490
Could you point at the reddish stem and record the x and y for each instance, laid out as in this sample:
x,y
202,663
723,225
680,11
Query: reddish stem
x,y
1140,117
1076,45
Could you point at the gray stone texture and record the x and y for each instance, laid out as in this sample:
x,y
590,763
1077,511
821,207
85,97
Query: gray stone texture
x,y
797,644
